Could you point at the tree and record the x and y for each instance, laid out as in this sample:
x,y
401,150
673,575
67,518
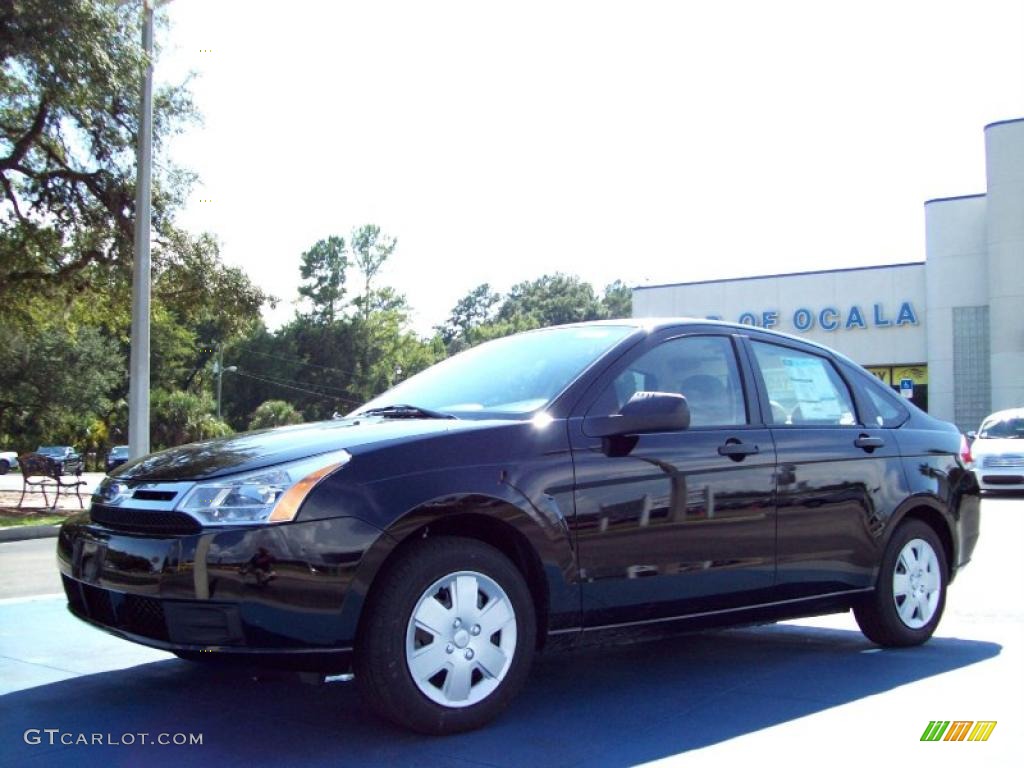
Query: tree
x,y
70,75
274,413
550,300
617,301
323,270
472,310
54,382
184,417
370,249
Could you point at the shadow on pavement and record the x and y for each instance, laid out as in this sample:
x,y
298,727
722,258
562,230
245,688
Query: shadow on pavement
x,y
613,706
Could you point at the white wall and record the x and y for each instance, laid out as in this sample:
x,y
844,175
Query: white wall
x,y
1004,164
841,289
956,275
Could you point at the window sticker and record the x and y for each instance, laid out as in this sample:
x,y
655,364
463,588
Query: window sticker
x,y
813,389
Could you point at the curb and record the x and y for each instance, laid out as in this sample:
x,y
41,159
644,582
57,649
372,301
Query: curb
x,y
26,532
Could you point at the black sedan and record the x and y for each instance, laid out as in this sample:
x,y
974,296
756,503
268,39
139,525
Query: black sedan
x,y
546,489
118,455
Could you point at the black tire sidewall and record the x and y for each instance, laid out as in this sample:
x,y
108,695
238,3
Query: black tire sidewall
x,y
381,669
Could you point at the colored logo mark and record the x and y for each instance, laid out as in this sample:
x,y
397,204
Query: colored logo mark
x,y
958,730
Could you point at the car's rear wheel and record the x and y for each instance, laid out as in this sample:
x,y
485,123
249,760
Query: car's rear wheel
x,y
910,596
5,466
448,637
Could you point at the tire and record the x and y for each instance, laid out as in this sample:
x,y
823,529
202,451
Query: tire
x,y
910,596
5,466
414,624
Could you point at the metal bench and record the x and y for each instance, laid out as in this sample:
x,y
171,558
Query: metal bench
x,y
39,473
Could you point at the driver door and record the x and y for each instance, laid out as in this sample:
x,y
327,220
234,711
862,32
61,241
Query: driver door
x,y
676,523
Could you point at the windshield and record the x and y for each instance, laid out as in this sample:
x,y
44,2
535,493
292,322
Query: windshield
x,y
1009,427
513,375
51,450
119,450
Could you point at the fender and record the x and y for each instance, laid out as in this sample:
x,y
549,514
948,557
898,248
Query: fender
x,y
524,506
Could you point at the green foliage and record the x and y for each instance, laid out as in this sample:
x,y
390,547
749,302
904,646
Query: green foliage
x,y
330,362
69,85
274,413
617,301
323,272
69,89
183,417
70,74
53,381
549,300
474,309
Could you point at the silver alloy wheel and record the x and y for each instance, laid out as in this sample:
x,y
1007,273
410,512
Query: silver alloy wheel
x,y
461,639
916,583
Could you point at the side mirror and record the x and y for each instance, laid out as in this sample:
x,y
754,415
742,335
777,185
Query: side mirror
x,y
645,412
972,434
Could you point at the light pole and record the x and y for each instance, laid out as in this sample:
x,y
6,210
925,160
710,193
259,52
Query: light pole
x,y
138,369
219,370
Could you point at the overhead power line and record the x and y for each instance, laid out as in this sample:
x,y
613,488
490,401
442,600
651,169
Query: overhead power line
x,y
285,359
324,395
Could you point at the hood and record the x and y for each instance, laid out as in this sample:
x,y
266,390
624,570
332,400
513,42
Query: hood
x,y
997,446
264,448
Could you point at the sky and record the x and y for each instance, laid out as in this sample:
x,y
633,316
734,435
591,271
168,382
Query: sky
x,y
652,142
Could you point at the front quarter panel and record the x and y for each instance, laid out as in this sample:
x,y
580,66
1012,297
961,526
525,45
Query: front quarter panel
x,y
518,474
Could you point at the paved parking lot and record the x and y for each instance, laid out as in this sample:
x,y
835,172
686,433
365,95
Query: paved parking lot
x,y
812,692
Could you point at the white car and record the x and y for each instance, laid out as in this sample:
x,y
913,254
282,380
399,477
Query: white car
x,y
8,461
998,451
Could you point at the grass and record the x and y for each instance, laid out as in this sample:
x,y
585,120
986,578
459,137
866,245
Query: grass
x,y
12,518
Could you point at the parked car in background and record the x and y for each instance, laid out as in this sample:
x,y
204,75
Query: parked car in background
x,y
118,455
69,461
562,486
8,461
998,451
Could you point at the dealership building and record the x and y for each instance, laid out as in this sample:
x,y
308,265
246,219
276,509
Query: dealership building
x,y
947,331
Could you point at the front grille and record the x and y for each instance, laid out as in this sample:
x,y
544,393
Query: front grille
x,y
1002,462
98,605
143,616
132,613
144,495
74,594
147,520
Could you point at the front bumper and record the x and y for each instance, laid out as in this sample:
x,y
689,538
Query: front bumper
x,y
274,591
1000,478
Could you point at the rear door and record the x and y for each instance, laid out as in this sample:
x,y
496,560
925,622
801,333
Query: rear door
x,y
839,472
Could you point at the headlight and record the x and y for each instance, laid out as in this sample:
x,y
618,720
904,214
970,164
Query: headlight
x,y
271,495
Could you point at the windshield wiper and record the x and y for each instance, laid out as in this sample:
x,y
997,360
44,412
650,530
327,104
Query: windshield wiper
x,y
404,411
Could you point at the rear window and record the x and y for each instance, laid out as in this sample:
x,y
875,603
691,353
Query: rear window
x,y
889,408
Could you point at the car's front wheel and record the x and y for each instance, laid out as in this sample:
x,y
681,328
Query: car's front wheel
x,y
448,637
910,596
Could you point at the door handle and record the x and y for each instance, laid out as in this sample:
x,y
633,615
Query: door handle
x,y
736,450
869,443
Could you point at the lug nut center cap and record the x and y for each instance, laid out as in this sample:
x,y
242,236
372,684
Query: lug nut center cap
x,y
461,638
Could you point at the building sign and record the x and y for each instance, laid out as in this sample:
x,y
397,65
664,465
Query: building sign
x,y
853,317
893,375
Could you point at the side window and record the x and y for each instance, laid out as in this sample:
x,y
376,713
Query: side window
x,y
891,412
701,368
803,388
